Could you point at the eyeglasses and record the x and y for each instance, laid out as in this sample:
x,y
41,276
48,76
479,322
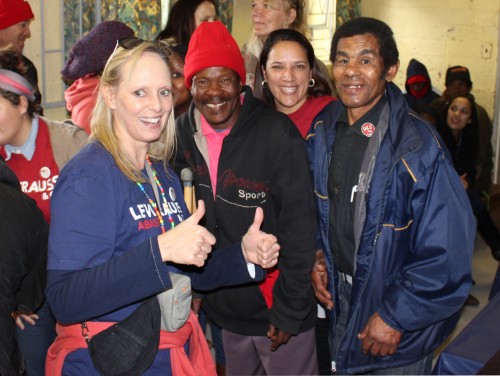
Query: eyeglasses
x,y
132,42
129,43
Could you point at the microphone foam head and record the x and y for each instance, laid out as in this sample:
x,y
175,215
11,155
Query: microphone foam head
x,y
186,174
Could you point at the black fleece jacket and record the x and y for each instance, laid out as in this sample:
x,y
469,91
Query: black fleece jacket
x,y
263,162
23,262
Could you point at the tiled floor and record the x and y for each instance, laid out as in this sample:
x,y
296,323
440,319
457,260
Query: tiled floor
x,y
484,267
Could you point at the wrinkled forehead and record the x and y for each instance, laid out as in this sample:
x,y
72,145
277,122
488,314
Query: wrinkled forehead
x,y
275,4
361,38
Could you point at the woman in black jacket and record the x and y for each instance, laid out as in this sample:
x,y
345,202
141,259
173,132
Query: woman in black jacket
x,y
459,128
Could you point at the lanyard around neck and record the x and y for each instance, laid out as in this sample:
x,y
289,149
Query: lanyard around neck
x,y
156,184
150,173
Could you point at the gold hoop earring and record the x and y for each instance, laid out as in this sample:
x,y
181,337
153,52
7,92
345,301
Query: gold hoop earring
x,y
312,82
264,83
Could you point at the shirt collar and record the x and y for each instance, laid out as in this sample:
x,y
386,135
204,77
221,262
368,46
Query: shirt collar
x,y
373,114
28,148
206,129
370,117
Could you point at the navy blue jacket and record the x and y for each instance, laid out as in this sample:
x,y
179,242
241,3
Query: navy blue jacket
x,y
415,234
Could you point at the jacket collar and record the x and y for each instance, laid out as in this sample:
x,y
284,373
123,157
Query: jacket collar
x,y
402,133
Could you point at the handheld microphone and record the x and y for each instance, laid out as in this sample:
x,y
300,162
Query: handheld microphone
x,y
187,182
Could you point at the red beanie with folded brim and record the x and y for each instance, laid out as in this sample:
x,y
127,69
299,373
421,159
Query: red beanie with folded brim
x,y
13,12
212,45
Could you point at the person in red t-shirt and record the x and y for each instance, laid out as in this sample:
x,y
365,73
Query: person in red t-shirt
x,y
35,148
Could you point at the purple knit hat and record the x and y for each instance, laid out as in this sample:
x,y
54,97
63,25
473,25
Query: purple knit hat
x,y
90,54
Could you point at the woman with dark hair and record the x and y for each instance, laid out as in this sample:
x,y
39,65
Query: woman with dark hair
x,y
293,84
185,16
459,130
458,127
267,16
181,95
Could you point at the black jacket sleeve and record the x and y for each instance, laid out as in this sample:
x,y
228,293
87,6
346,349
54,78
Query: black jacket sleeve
x,y
23,259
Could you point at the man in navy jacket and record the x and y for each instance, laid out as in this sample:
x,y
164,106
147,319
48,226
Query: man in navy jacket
x,y
396,231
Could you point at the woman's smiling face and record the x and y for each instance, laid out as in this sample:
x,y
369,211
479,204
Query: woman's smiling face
x,y
288,75
142,102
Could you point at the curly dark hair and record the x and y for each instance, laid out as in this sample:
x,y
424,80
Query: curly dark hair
x,y
12,60
366,25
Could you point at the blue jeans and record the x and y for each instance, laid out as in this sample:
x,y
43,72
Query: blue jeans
x,y
422,367
35,340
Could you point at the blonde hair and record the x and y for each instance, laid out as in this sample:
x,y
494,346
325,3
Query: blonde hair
x,y
255,44
102,125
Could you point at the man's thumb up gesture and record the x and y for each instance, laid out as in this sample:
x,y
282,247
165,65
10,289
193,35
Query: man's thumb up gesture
x,y
258,247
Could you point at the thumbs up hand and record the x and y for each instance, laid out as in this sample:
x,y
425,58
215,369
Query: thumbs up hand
x,y
187,243
258,247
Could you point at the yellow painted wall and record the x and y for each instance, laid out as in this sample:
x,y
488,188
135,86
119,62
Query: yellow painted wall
x,y
242,26
443,33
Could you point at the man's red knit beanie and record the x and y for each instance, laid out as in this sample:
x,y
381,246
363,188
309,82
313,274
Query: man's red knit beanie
x,y
13,12
212,45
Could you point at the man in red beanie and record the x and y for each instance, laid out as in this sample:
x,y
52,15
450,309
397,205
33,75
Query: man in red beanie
x,y
245,155
15,20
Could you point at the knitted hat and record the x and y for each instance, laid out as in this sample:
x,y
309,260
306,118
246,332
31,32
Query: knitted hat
x,y
417,79
90,54
13,12
212,45
457,73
